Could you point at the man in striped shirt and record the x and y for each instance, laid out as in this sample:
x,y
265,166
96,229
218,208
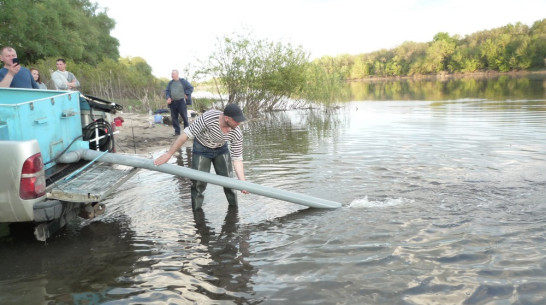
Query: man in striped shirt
x,y
211,133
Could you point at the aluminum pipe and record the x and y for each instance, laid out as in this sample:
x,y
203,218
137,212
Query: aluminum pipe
x,y
193,174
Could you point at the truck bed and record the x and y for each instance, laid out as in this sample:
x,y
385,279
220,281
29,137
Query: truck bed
x,y
93,184
51,117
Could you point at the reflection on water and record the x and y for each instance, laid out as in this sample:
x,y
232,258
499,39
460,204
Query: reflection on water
x,y
443,203
228,249
502,87
64,270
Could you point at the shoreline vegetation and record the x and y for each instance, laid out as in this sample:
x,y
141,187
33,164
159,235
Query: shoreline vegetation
x,y
208,93
257,74
446,76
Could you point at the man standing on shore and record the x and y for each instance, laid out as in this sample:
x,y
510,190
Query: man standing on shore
x,y
178,94
12,74
63,79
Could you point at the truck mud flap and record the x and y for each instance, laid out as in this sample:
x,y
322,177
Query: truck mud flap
x,y
66,212
44,230
47,210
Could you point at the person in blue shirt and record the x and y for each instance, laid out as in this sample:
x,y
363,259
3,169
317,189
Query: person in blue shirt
x,y
13,74
178,94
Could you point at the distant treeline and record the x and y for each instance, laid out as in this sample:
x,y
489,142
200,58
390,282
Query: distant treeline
x,y
508,48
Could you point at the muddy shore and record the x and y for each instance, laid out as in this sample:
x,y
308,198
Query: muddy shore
x,y
137,135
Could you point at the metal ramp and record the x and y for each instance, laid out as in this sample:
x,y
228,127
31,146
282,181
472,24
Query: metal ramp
x,y
93,184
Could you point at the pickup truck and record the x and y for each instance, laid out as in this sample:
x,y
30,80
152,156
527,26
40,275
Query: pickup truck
x,y
36,128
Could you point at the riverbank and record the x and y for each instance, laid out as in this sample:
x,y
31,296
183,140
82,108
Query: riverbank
x,y
137,135
446,76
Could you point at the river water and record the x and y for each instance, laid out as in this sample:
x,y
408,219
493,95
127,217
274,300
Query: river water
x,y
443,203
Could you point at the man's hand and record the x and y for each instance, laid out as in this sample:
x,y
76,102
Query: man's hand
x,y
8,78
14,69
245,192
162,159
169,100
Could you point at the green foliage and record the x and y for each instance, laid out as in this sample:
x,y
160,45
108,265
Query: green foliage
x,y
127,81
438,53
508,48
257,74
324,79
72,29
537,44
43,30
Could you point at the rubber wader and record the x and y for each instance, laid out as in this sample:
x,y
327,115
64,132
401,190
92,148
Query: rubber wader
x,y
222,166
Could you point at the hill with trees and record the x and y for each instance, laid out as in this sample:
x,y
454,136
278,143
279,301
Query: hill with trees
x,y
508,48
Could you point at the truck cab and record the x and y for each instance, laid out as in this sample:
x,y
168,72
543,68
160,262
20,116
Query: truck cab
x,y
36,128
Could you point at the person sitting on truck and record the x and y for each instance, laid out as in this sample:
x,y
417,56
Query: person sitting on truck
x,y
211,133
13,74
63,79
36,75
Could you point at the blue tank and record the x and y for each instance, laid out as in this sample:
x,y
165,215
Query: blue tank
x,y
53,118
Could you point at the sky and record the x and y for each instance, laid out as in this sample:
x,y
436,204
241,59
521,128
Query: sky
x,y
174,34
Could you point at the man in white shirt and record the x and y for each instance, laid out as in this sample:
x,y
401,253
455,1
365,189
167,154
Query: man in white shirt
x,y
63,79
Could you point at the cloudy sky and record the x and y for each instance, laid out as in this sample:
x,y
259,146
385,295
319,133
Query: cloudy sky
x,y
172,34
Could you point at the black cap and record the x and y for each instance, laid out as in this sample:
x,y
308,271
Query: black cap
x,y
233,111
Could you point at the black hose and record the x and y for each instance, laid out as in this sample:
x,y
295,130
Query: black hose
x,y
104,128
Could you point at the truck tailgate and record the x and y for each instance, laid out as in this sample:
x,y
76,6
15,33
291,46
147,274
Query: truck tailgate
x,y
93,184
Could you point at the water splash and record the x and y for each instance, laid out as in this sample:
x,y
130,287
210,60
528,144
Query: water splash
x,y
389,202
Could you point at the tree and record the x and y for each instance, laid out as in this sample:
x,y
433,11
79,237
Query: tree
x,y
438,53
511,47
407,53
58,28
537,45
361,67
257,74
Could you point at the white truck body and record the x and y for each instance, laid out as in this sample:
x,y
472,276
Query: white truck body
x,y
36,127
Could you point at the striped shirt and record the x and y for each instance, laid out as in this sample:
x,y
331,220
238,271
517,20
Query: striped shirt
x,y
206,129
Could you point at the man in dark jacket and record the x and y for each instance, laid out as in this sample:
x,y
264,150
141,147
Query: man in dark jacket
x,y
178,95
